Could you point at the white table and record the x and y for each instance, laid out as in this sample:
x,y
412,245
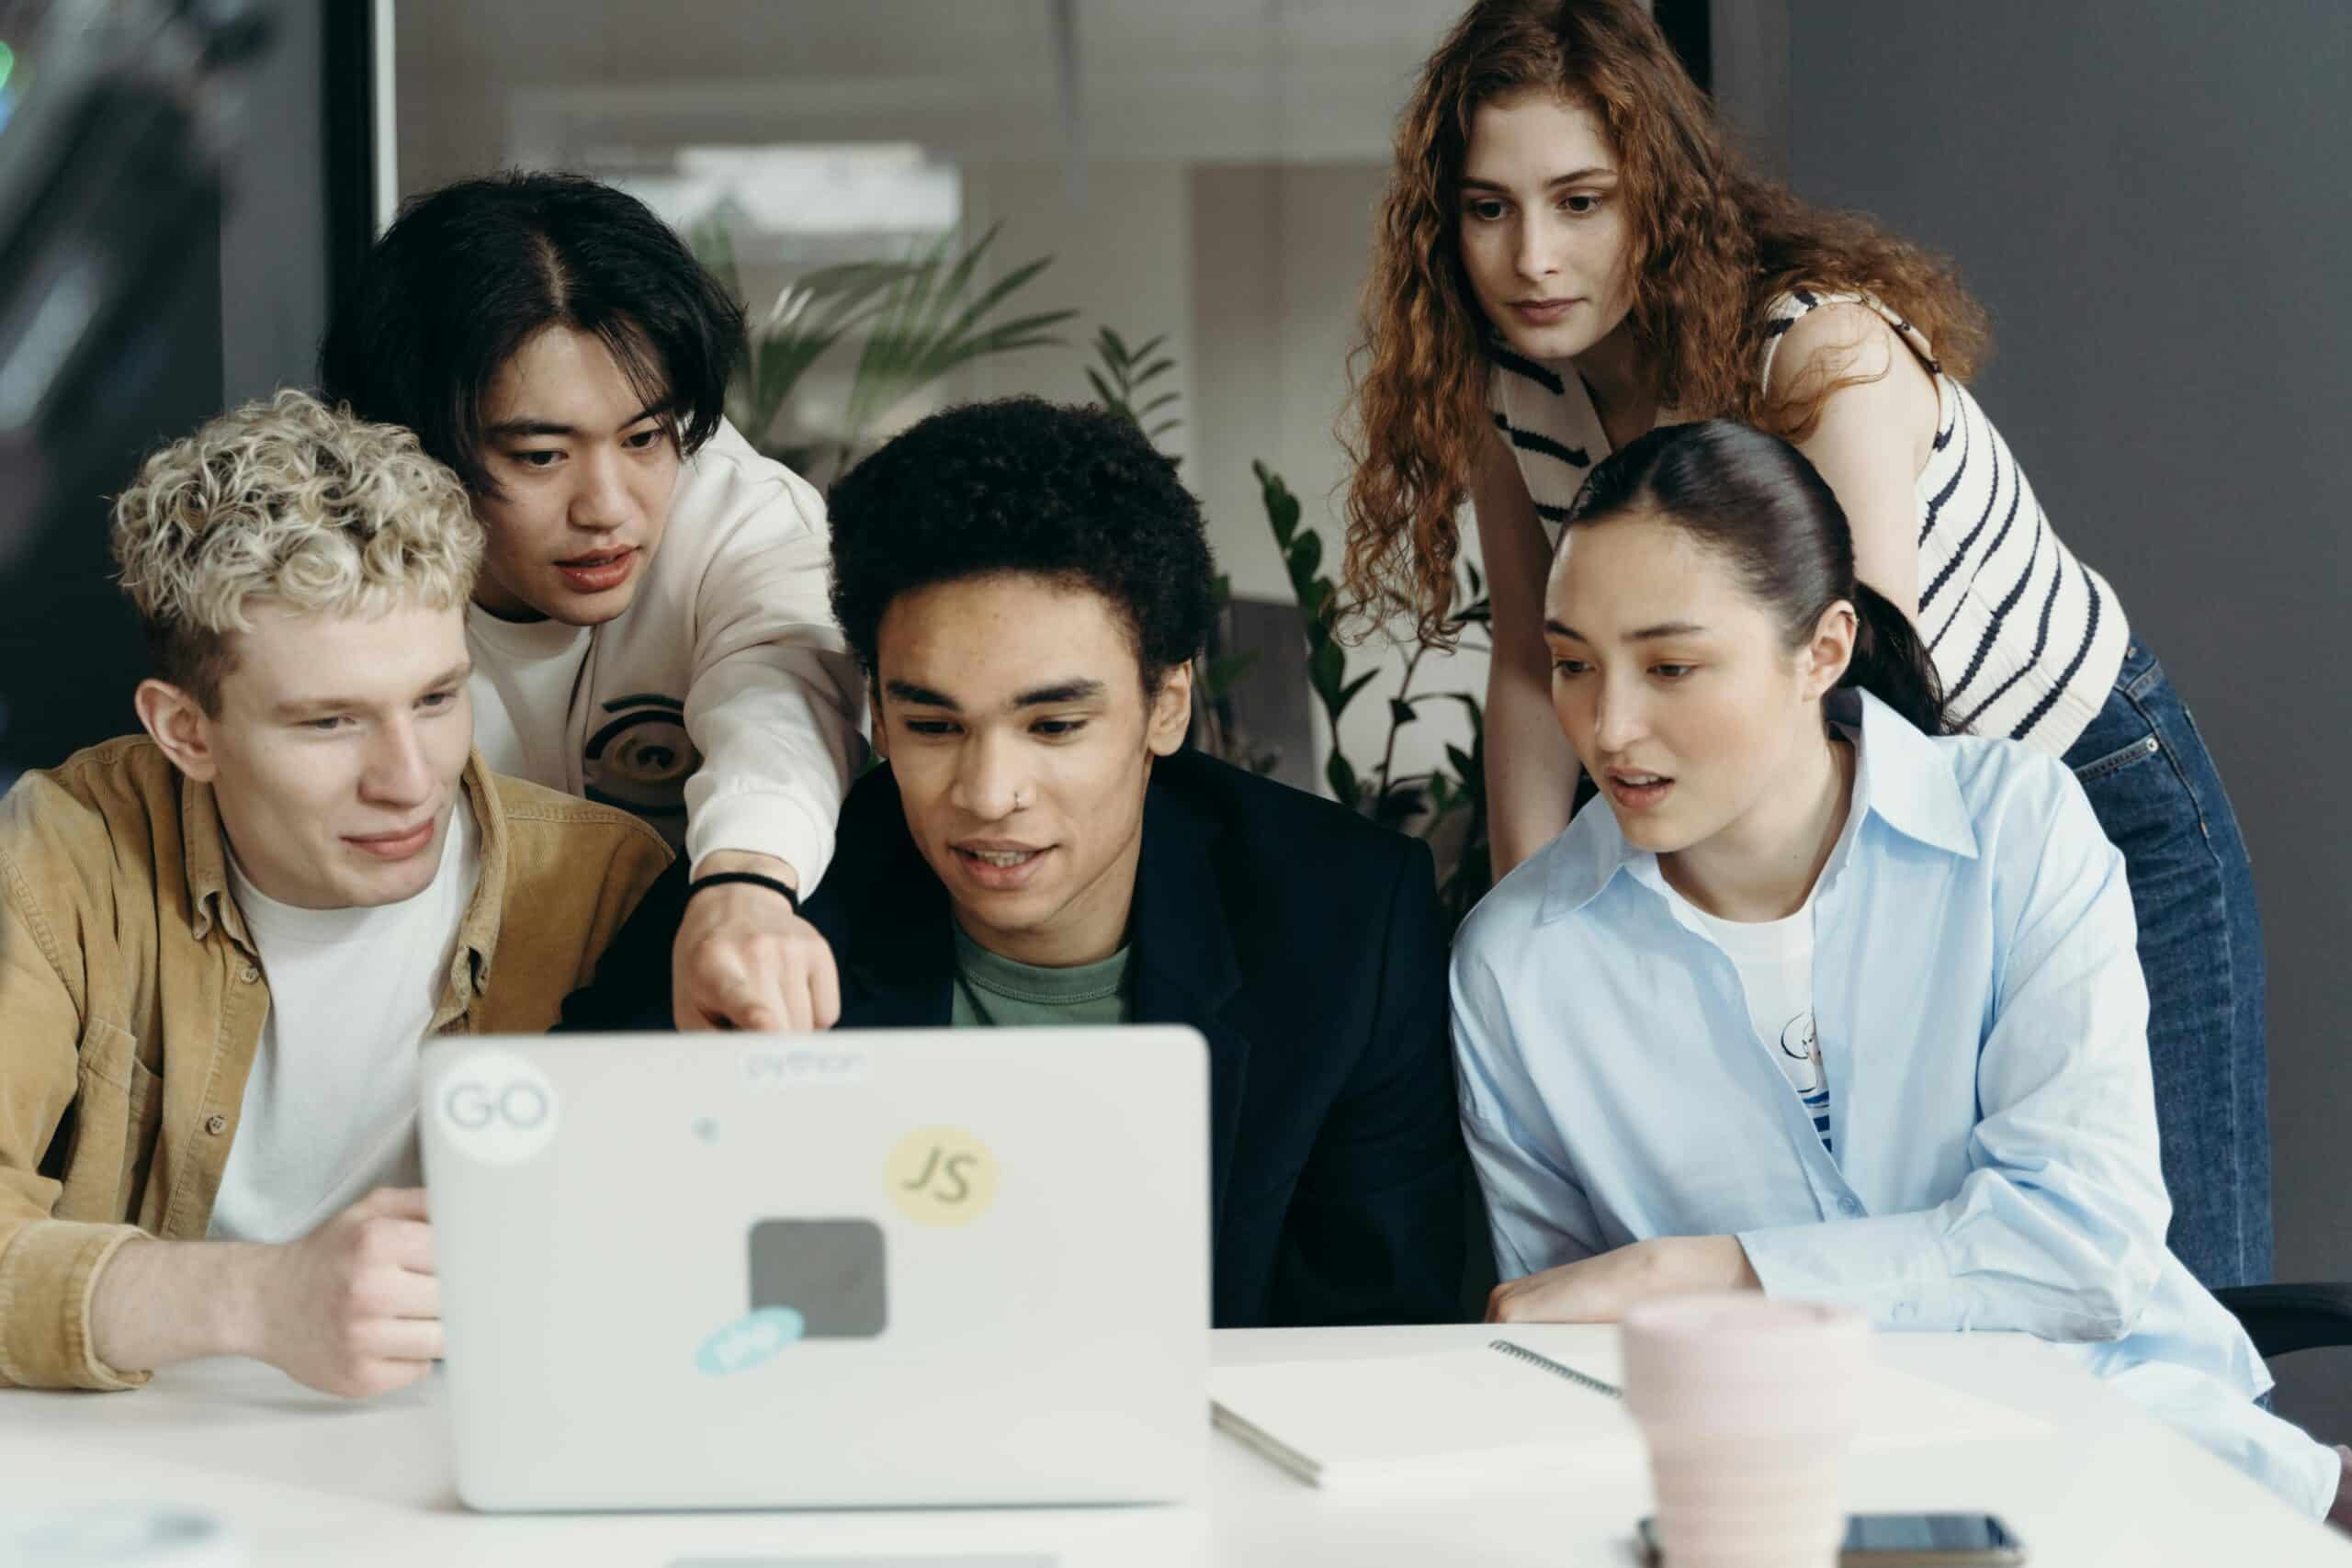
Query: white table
x,y
310,1480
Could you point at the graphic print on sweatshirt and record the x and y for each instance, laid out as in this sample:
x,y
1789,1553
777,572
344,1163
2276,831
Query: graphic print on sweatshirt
x,y
638,757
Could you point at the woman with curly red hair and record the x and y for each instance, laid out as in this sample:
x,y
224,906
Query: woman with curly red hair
x,y
1569,255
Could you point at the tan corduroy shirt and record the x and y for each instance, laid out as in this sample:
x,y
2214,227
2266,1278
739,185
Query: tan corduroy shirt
x,y
131,1004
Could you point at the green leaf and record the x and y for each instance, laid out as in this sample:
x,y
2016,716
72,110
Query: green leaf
x,y
1315,603
1118,349
996,294
1348,692
937,301
1464,767
1281,507
1306,554
1026,328
810,315
1325,668
1328,666
928,321
1341,776
1400,712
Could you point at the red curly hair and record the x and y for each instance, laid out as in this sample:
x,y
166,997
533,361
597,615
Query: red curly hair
x,y
1712,245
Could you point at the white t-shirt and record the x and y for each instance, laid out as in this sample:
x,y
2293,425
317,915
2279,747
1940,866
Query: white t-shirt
x,y
1775,963
330,1107
722,708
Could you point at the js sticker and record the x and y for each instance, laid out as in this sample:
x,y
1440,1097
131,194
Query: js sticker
x,y
941,1175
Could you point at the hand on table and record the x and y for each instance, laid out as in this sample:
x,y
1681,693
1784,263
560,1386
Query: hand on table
x,y
745,960
354,1308
1603,1288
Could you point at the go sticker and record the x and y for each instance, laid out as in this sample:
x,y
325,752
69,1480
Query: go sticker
x,y
496,1107
748,1341
941,1175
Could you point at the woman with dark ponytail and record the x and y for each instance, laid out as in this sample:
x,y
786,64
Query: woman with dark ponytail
x,y
1761,506
1570,252
1829,1002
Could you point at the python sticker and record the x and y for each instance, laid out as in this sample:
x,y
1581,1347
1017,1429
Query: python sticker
x,y
941,1175
496,1107
803,1064
749,1341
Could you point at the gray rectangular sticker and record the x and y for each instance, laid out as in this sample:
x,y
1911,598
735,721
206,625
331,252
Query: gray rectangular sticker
x,y
830,1271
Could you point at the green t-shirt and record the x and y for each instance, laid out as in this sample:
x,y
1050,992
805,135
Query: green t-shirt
x,y
992,991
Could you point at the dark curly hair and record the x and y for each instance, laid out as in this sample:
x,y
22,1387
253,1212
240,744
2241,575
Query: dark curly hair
x,y
469,273
1020,485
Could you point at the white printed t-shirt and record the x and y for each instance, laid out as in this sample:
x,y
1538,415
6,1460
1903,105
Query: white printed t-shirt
x,y
1775,963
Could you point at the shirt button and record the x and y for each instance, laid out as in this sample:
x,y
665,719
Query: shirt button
x,y
250,975
1848,1207
215,1125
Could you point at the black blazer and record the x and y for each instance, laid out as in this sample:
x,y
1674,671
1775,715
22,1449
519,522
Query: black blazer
x,y
1301,941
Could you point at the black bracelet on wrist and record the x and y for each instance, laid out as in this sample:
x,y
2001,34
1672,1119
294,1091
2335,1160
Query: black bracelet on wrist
x,y
753,877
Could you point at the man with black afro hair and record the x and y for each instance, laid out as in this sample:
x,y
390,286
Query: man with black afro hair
x,y
1026,586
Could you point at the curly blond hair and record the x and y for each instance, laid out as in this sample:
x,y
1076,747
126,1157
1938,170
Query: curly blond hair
x,y
290,504
1712,246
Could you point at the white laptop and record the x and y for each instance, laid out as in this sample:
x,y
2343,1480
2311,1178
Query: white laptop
x,y
858,1268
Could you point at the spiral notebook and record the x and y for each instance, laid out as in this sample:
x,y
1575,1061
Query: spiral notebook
x,y
1492,1412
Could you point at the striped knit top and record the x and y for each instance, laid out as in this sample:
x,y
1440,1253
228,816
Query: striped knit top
x,y
2027,639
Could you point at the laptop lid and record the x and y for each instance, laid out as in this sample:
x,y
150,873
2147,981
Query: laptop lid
x,y
857,1269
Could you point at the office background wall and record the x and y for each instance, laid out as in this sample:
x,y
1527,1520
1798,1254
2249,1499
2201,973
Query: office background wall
x,y
2150,199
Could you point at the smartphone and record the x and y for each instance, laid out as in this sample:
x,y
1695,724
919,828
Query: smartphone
x,y
1908,1540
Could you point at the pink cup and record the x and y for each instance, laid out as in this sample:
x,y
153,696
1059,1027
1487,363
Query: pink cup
x,y
1749,1407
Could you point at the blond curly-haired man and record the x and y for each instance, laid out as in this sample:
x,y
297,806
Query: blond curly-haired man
x,y
222,940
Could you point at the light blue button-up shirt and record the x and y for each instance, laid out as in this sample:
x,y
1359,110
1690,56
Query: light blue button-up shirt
x,y
1983,1025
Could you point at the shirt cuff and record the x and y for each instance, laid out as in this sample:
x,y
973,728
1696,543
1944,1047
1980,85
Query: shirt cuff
x,y
48,1281
1890,1267
762,822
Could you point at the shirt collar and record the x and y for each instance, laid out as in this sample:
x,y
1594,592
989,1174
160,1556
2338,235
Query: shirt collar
x,y
1901,777
478,928
204,852
1906,778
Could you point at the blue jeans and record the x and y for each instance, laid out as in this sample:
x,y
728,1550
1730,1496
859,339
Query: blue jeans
x,y
2155,789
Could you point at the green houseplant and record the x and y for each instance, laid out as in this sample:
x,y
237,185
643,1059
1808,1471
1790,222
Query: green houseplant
x,y
1446,805
915,320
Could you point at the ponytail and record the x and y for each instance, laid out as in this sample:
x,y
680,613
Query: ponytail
x,y
1756,500
1892,664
